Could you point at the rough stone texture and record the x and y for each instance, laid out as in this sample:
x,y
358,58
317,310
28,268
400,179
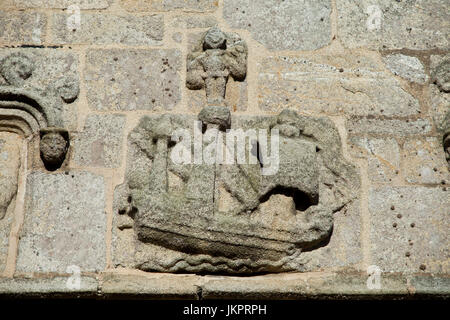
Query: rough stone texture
x,y
235,94
272,217
22,27
62,4
295,286
64,224
286,25
47,287
193,21
49,66
332,84
409,228
133,79
100,143
154,286
107,29
383,157
385,24
287,286
169,5
10,157
406,67
440,100
218,57
424,161
393,127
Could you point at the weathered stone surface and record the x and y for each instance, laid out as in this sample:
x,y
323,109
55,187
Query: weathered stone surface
x,y
100,143
53,148
384,24
155,286
193,21
194,222
133,79
169,5
64,224
440,99
406,67
217,57
108,29
286,25
332,84
48,66
344,247
30,105
48,287
62,4
409,229
10,164
295,286
235,93
10,146
431,284
424,161
388,126
22,27
383,156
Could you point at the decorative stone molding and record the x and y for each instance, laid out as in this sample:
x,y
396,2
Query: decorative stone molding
x,y
29,111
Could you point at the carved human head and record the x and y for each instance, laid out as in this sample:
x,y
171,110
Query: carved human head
x,y
214,39
53,149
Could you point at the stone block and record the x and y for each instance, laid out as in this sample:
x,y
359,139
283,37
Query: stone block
x,y
63,4
394,127
384,24
332,84
440,99
424,161
22,27
406,67
48,287
97,28
64,223
133,79
193,21
170,5
409,229
286,25
155,286
383,156
100,143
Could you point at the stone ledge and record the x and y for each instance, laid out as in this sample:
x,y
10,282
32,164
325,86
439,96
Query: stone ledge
x,y
270,287
47,287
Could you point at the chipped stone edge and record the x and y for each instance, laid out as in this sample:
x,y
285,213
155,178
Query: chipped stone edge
x,y
287,286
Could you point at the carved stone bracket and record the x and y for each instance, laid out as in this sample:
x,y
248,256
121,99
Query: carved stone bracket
x,y
29,111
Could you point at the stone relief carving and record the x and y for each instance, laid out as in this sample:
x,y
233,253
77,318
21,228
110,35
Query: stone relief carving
x,y
218,56
441,78
28,111
9,170
230,217
441,75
